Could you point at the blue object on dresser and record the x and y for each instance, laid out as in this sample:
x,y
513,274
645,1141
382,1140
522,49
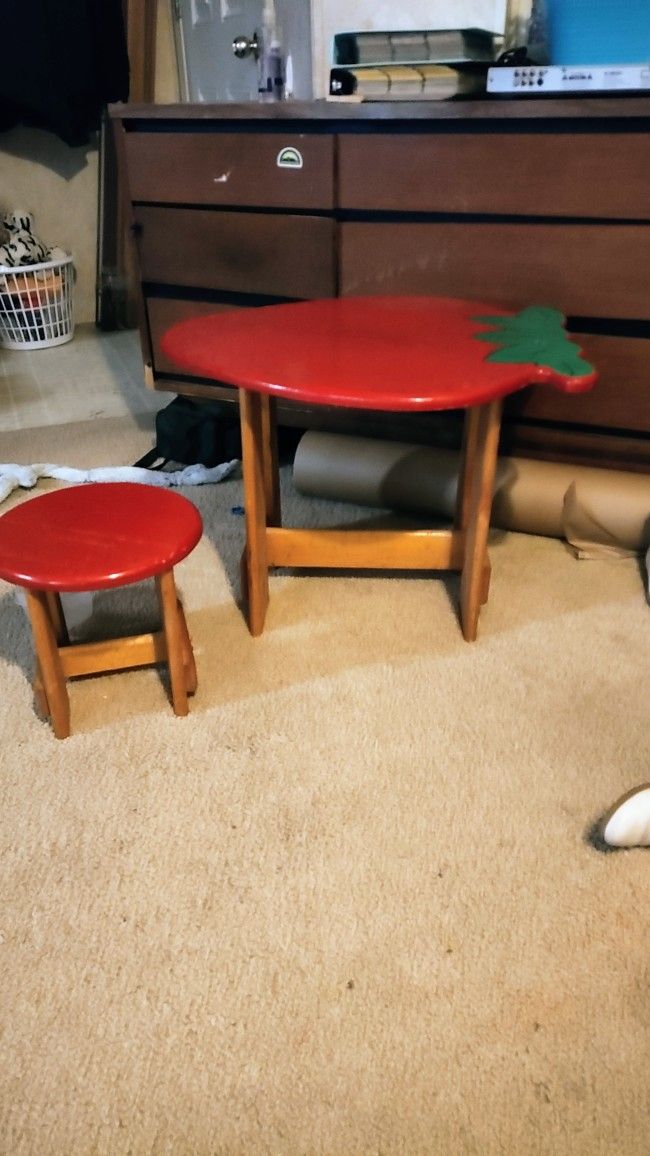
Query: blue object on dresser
x,y
598,31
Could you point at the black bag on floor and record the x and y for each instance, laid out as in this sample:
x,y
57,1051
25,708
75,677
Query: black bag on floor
x,y
205,433
191,433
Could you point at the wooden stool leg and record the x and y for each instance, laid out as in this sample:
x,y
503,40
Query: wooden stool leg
x,y
485,580
174,640
191,680
57,617
49,670
255,469
473,586
38,686
62,638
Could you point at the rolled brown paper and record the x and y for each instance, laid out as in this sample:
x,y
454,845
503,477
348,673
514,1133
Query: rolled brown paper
x,y
597,511
370,472
607,515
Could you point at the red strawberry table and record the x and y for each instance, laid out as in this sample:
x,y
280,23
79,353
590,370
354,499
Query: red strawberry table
x,y
395,354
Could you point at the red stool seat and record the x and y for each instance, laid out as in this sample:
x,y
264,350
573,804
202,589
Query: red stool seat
x,y
95,537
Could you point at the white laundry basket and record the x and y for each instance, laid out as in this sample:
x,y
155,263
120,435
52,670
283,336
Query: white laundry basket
x,y
36,305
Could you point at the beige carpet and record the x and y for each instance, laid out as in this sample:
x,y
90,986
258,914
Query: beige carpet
x,y
350,905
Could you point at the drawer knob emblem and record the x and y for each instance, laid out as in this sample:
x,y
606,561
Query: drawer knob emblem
x,y
289,158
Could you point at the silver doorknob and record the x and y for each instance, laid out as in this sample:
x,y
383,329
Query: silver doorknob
x,y
244,46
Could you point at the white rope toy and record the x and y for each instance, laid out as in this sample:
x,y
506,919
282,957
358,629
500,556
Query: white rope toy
x,y
14,476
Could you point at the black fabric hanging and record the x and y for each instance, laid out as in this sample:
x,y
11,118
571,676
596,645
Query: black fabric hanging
x,y
62,62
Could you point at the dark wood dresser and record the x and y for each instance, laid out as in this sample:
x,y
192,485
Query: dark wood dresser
x,y
515,202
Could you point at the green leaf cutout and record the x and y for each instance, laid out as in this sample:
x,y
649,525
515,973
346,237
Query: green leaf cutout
x,y
535,336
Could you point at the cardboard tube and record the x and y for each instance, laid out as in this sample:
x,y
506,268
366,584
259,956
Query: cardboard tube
x,y
597,511
369,472
608,515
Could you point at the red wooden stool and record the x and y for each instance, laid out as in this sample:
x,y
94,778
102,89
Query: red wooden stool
x,y
95,537
377,353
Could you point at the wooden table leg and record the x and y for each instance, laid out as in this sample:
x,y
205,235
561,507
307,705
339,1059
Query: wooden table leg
x,y
174,640
270,461
255,468
482,473
466,467
464,492
49,670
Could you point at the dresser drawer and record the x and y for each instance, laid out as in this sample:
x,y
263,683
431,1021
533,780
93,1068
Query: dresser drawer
x,y
524,174
619,400
208,168
584,270
284,256
162,313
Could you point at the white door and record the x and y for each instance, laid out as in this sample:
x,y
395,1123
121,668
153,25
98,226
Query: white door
x,y
210,71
